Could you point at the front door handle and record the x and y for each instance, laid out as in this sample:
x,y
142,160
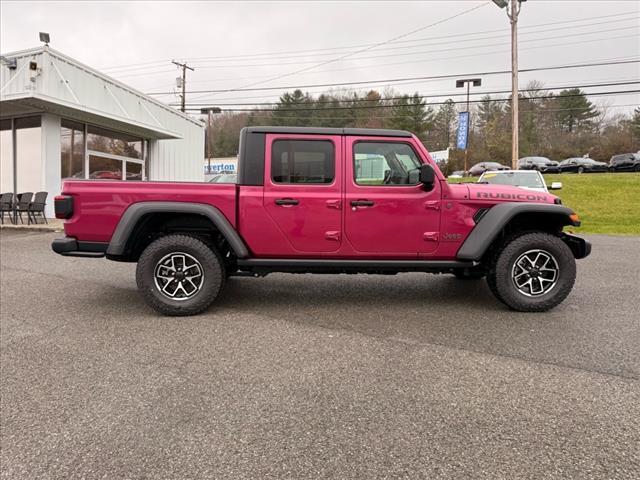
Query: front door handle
x,y
287,201
362,203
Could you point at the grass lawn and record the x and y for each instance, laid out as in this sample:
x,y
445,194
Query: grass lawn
x,y
606,202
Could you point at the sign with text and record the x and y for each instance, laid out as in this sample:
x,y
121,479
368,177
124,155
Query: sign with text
x,y
463,130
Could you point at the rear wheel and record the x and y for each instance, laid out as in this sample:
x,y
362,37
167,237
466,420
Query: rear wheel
x,y
180,275
534,272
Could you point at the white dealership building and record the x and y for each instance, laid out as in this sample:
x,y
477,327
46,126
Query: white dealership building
x,y
62,119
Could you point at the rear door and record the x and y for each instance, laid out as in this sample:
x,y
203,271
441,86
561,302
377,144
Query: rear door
x,y
387,210
303,191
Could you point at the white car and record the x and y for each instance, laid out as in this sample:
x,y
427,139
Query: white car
x,y
529,179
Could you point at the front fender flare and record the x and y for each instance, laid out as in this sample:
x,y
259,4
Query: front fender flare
x,y
498,216
135,212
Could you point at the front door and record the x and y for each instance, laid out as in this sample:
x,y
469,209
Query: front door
x,y
387,211
303,190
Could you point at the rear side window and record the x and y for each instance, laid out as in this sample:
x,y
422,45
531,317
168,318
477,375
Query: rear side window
x,y
303,161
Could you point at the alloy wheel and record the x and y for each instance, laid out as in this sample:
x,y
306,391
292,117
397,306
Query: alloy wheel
x,y
178,276
535,273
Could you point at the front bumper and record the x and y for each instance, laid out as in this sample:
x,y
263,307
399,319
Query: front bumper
x,y
71,247
550,169
580,247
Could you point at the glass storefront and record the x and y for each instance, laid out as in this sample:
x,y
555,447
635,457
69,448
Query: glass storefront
x,y
6,157
28,148
72,149
97,153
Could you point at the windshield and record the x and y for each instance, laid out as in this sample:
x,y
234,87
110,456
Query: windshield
x,y
517,179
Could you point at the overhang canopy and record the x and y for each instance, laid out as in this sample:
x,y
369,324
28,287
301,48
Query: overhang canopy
x,y
44,80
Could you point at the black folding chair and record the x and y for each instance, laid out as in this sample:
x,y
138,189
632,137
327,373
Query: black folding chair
x,y
6,206
24,201
37,207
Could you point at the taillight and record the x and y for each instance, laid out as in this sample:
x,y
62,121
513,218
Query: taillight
x,y
63,206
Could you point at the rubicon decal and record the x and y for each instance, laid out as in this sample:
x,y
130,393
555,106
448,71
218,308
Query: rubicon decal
x,y
512,196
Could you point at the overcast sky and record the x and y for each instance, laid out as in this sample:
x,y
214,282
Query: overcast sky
x,y
136,41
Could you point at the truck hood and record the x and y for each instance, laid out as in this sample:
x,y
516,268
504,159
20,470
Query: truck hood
x,y
506,193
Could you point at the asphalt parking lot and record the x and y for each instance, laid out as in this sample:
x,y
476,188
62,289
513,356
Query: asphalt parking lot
x,y
298,376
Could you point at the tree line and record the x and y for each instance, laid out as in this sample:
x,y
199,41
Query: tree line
x,y
558,126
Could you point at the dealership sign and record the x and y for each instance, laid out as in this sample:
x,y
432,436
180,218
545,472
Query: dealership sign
x,y
463,130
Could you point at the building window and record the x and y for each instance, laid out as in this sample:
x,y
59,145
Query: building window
x,y
72,149
6,156
97,153
113,143
302,161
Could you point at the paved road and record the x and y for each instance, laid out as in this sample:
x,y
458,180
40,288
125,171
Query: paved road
x,y
316,376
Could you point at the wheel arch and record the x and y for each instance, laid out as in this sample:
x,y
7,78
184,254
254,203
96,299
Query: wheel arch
x,y
506,218
144,218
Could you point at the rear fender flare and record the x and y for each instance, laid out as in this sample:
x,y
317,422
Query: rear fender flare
x,y
135,212
494,221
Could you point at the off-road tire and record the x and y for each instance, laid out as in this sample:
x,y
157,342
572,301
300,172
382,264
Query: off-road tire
x,y
499,276
207,256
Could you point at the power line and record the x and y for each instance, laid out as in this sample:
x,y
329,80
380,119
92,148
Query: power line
x,y
395,80
346,55
139,65
448,49
474,93
299,117
366,107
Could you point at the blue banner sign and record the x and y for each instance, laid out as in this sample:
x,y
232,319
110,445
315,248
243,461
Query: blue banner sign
x,y
463,130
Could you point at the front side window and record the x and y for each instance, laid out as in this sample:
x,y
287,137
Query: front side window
x,y
382,163
303,161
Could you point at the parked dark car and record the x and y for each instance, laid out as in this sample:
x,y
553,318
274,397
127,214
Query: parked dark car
x,y
541,164
582,165
479,168
626,162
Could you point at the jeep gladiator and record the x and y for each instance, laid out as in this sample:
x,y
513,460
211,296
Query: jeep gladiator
x,y
324,200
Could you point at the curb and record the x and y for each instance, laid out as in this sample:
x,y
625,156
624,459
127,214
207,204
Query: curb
x,y
39,228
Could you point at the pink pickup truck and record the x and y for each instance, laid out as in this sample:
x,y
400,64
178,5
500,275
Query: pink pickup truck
x,y
324,200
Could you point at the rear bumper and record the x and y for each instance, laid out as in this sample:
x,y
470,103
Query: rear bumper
x,y
71,247
580,247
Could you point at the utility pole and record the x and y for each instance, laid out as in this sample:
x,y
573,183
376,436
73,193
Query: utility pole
x,y
513,10
459,84
515,122
184,67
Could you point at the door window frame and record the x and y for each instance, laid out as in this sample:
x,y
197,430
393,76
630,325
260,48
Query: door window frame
x,y
353,162
272,138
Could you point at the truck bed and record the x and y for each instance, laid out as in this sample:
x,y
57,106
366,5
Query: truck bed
x,y
99,204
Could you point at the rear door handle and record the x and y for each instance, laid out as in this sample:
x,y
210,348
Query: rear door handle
x,y
362,203
287,201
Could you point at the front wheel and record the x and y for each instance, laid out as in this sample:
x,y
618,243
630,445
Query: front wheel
x,y
580,169
534,272
179,275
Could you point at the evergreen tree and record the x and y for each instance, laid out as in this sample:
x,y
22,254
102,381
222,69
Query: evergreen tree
x,y
441,136
574,111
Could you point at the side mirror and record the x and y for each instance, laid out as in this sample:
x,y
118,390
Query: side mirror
x,y
427,176
555,186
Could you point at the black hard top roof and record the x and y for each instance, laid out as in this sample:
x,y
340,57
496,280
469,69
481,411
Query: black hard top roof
x,y
363,132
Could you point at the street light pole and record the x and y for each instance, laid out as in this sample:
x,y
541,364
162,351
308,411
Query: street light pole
x,y
209,111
